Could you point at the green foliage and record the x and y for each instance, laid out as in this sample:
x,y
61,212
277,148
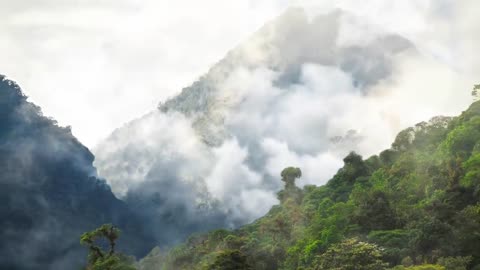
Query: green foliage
x,y
407,261
351,254
415,206
99,259
455,263
395,244
421,267
230,260
290,174
461,140
467,232
374,212
113,262
472,173
291,191
342,184
476,91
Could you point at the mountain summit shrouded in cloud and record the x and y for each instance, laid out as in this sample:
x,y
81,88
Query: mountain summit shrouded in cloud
x,y
302,91
49,192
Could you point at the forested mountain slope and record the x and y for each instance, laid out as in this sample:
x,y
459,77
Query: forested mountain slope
x,y
267,98
49,192
416,203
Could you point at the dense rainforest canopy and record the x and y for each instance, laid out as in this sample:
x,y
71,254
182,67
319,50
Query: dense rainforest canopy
x,y
414,206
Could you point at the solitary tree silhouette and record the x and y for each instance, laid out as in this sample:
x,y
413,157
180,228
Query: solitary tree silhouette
x,y
476,91
97,257
289,175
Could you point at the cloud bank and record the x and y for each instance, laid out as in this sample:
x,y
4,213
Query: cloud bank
x,y
128,55
303,91
95,65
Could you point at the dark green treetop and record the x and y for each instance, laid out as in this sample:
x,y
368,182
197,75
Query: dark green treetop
x,y
99,259
289,175
476,91
291,191
230,260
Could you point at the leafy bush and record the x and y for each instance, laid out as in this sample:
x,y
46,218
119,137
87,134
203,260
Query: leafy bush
x,y
351,254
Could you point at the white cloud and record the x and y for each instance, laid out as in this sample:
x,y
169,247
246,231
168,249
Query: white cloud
x,y
98,64
157,141
238,187
315,168
282,97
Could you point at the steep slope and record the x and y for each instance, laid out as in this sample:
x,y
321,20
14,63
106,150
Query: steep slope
x,y
415,203
49,192
317,41
301,90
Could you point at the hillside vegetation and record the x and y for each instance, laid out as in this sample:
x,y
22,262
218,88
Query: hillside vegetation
x,y
414,206
49,192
